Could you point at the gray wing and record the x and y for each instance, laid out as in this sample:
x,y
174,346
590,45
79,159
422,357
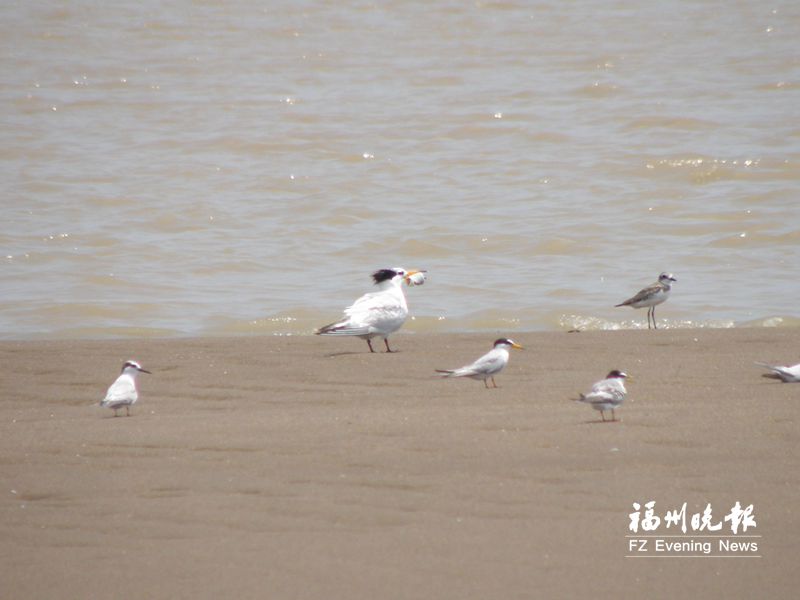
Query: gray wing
x,y
642,295
605,391
488,364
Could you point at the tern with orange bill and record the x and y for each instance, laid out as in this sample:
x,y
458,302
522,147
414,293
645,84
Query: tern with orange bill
x,y
488,365
377,314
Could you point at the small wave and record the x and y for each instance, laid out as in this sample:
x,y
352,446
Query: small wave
x,y
682,123
772,322
597,90
703,169
590,323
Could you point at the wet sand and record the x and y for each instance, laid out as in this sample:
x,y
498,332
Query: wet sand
x,y
305,467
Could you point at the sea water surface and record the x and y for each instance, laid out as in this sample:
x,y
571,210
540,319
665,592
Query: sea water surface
x,y
227,168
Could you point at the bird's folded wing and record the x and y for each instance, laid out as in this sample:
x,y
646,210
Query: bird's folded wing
x,y
607,389
600,396
488,363
120,390
645,293
375,305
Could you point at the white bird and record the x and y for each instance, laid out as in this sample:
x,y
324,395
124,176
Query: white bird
x,y
123,391
606,394
376,314
785,374
651,296
488,365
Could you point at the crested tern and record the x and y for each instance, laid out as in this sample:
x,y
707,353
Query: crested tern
x,y
377,314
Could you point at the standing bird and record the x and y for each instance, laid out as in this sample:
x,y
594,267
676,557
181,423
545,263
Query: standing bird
x,y
785,374
606,394
377,314
488,365
123,391
651,296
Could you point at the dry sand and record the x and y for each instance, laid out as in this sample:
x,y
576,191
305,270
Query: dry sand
x,y
305,467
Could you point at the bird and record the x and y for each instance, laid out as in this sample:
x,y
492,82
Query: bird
x,y
785,374
488,365
651,296
123,391
376,314
606,394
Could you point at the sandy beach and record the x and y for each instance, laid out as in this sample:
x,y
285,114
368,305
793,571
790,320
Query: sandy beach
x,y
305,467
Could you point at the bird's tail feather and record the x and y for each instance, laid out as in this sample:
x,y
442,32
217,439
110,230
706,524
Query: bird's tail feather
x,y
341,329
774,371
445,373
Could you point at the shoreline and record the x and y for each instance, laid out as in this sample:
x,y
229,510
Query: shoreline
x,y
306,466
305,323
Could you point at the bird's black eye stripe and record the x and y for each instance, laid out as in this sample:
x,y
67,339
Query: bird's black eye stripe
x,y
383,275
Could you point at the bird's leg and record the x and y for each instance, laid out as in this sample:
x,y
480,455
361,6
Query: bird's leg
x,y
602,412
494,383
386,341
613,416
654,318
369,343
127,411
116,413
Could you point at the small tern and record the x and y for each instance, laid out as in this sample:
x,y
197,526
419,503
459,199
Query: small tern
x,y
377,314
651,296
488,365
785,374
123,391
606,394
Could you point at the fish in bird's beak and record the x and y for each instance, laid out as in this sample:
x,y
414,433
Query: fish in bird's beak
x,y
416,277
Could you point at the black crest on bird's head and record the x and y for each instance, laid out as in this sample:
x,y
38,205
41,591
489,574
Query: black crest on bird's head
x,y
616,374
504,341
384,275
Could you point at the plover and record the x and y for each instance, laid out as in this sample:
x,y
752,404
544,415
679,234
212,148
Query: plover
x,y
651,296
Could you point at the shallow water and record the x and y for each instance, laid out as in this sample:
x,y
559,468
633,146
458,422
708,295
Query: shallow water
x,y
195,168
